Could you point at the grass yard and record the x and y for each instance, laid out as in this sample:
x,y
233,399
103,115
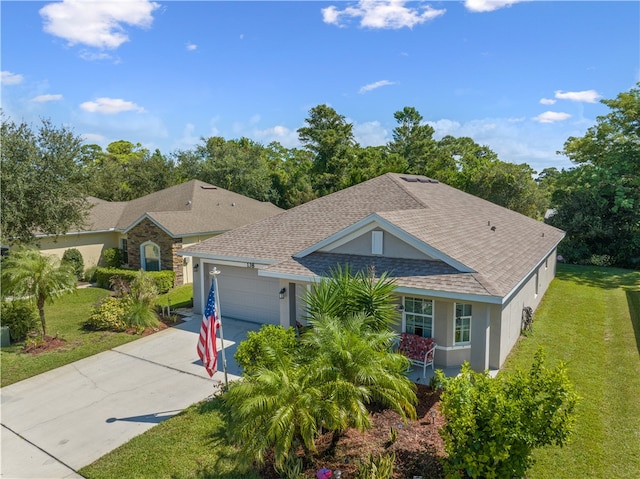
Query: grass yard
x,y
189,445
590,319
64,318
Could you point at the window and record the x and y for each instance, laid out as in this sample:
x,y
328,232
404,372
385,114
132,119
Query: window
x,y
150,256
462,326
418,315
125,251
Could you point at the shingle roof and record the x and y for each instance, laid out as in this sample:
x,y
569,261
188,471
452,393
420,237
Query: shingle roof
x,y
185,209
499,245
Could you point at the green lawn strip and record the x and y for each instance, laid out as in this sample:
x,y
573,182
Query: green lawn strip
x,y
64,318
179,297
584,321
189,445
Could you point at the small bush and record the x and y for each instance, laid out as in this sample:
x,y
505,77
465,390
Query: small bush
x,y
90,274
108,315
376,467
20,317
141,300
74,257
250,354
162,279
601,260
113,258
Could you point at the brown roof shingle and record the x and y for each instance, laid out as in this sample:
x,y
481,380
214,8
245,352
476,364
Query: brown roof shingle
x,y
186,209
499,245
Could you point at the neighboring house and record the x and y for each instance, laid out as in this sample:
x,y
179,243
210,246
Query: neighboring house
x,y
464,268
151,229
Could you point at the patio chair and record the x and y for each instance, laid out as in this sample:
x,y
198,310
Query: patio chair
x,y
420,351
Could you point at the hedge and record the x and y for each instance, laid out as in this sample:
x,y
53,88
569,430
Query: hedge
x,y
164,280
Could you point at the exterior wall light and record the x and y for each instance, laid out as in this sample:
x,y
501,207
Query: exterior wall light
x,y
283,291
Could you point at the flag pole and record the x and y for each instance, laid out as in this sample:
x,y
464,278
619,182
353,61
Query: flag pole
x,y
215,272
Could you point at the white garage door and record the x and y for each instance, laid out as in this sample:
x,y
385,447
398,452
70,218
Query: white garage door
x,y
245,295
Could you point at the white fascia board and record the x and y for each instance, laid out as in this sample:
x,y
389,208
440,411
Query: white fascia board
x,y
478,298
73,233
290,277
211,258
150,218
375,221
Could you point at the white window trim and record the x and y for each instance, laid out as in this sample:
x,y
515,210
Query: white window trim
x,y
461,343
433,313
143,257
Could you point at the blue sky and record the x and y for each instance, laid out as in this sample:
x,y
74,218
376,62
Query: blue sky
x,y
519,77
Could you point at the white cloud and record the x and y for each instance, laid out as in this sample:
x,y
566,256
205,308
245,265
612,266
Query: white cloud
x,y
551,117
283,135
96,24
392,14
191,47
488,5
547,101
97,56
93,138
8,78
370,133
373,86
587,96
110,106
46,98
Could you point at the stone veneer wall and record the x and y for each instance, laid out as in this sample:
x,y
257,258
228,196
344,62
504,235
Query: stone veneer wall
x,y
147,230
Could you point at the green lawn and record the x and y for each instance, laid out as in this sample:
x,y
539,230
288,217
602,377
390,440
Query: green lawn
x,y
590,319
65,318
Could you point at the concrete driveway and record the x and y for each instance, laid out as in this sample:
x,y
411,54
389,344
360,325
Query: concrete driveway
x,y
60,421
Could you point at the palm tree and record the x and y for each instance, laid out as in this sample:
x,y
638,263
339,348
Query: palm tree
x,y
276,408
28,274
345,293
355,369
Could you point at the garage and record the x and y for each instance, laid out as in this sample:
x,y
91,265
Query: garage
x,y
245,295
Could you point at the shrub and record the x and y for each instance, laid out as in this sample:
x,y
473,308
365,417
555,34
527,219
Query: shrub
x,y
113,258
90,274
493,424
162,279
250,354
376,467
601,260
20,317
108,315
141,300
74,257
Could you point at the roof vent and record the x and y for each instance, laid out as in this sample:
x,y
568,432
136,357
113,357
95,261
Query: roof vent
x,y
188,202
418,179
208,187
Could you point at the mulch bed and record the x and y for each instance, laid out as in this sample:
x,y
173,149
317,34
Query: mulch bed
x,y
418,447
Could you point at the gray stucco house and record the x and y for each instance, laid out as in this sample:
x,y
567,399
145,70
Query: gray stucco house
x,y
465,268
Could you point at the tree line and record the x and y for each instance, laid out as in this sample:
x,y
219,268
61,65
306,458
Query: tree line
x,y
47,174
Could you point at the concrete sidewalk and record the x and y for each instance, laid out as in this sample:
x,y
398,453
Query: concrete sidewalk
x,y
60,421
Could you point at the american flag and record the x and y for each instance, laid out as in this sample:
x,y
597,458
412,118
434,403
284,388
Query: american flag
x,y
207,350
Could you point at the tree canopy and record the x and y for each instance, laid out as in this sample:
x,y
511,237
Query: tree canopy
x,y
41,181
598,202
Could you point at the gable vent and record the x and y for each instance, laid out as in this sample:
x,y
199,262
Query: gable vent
x,y
376,242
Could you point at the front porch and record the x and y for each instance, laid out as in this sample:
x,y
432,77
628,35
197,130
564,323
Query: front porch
x,y
235,331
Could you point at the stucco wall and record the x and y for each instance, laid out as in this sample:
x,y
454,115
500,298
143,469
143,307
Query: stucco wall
x,y
187,261
524,296
90,245
392,247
